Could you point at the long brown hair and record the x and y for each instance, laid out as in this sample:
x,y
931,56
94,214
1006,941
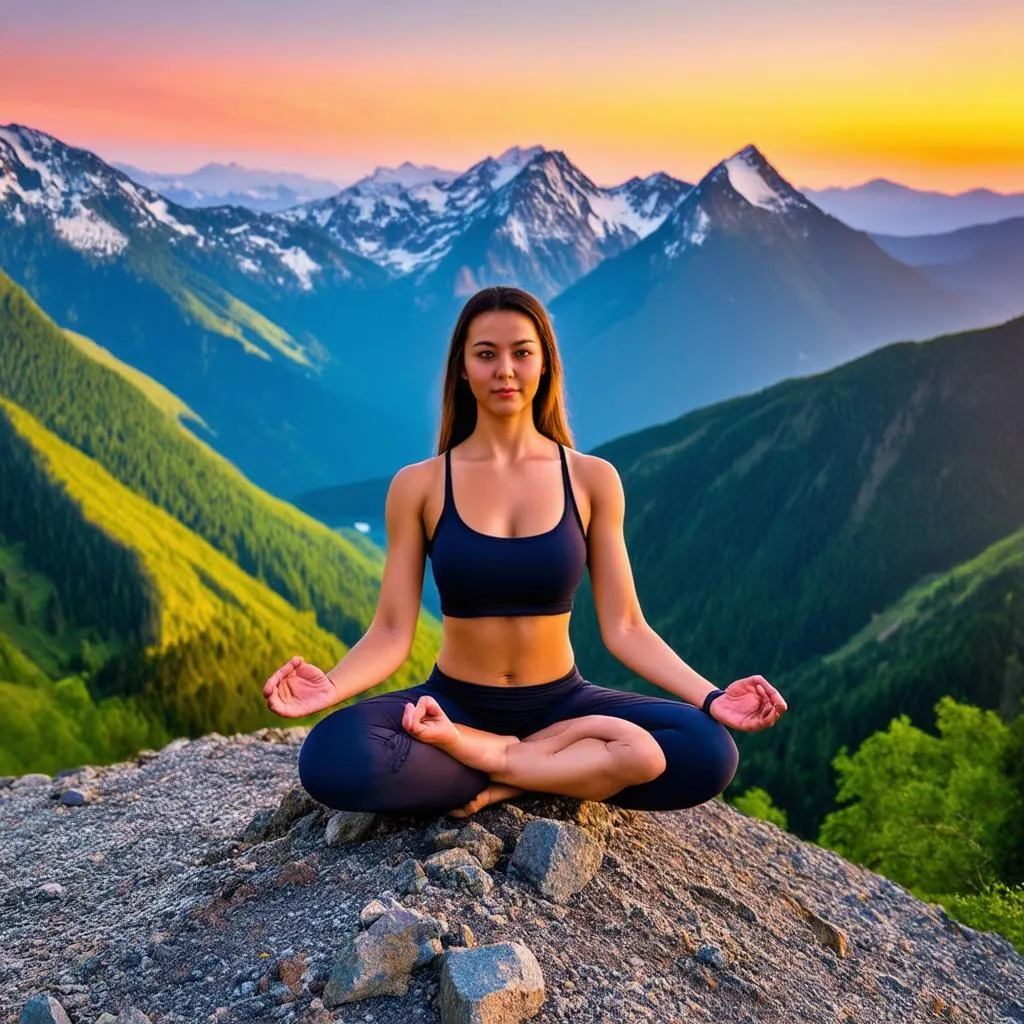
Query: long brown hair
x,y
458,404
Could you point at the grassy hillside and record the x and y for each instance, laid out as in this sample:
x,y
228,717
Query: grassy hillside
x,y
208,633
98,411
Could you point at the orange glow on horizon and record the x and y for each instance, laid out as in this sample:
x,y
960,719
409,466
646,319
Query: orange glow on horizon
x,y
945,115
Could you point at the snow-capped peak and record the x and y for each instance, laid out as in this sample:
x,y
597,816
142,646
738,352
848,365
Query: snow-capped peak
x,y
518,156
753,178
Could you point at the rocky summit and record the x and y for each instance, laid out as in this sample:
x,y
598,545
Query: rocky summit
x,y
201,884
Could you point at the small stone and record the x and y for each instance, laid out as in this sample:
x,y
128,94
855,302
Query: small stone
x,y
557,858
305,827
348,827
50,891
30,781
458,868
43,1009
131,1015
473,837
380,960
281,993
295,804
712,956
497,984
410,877
375,909
296,872
257,827
290,970
458,933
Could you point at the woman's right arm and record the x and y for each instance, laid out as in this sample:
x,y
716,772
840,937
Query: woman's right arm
x,y
388,639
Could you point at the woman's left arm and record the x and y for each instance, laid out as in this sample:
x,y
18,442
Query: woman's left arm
x,y
624,630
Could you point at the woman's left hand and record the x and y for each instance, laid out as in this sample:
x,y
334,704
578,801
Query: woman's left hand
x,y
749,704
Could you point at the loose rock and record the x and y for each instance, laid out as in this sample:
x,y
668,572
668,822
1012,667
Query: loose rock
x,y
380,960
458,868
348,827
497,984
556,857
483,845
43,1009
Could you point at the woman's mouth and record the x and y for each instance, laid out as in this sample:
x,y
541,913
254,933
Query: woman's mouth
x,y
507,391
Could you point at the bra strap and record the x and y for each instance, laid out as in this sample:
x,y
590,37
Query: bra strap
x,y
570,498
449,496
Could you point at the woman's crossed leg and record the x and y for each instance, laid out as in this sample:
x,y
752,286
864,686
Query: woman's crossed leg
x,y
590,757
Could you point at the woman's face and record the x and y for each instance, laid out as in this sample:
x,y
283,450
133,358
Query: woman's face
x,y
503,360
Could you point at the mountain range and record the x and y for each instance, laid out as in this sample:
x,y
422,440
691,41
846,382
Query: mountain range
x,y
887,207
310,341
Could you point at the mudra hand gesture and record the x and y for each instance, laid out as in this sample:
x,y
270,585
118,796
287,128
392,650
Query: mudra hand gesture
x,y
749,704
426,721
298,689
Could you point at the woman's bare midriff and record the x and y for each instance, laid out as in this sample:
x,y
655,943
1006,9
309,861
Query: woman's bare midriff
x,y
505,651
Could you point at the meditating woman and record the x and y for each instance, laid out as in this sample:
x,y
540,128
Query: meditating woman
x,y
510,515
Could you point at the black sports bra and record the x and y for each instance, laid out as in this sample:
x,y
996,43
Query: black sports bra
x,y
478,574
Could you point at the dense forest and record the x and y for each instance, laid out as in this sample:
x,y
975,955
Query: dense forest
x,y
148,588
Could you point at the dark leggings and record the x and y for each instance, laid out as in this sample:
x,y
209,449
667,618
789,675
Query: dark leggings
x,y
361,759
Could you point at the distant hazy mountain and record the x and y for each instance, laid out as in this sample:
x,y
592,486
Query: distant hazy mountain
x,y
987,259
890,209
745,283
232,184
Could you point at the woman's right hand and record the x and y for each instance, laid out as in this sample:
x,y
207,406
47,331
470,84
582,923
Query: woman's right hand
x,y
298,689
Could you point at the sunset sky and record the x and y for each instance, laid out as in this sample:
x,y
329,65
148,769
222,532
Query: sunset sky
x,y
929,93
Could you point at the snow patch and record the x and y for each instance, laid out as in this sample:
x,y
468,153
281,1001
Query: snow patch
x,y
693,234
746,179
87,232
157,209
616,209
298,261
517,233
295,259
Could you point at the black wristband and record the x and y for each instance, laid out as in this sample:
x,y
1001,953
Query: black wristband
x,y
706,706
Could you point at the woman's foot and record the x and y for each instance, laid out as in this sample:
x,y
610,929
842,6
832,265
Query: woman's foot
x,y
492,794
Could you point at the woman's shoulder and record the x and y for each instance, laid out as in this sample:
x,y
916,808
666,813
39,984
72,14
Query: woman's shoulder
x,y
592,470
415,480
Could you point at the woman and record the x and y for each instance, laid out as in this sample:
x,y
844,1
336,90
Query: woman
x,y
505,710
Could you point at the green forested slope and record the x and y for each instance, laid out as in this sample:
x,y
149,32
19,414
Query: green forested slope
x,y
148,588
99,412
767,530
958,634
